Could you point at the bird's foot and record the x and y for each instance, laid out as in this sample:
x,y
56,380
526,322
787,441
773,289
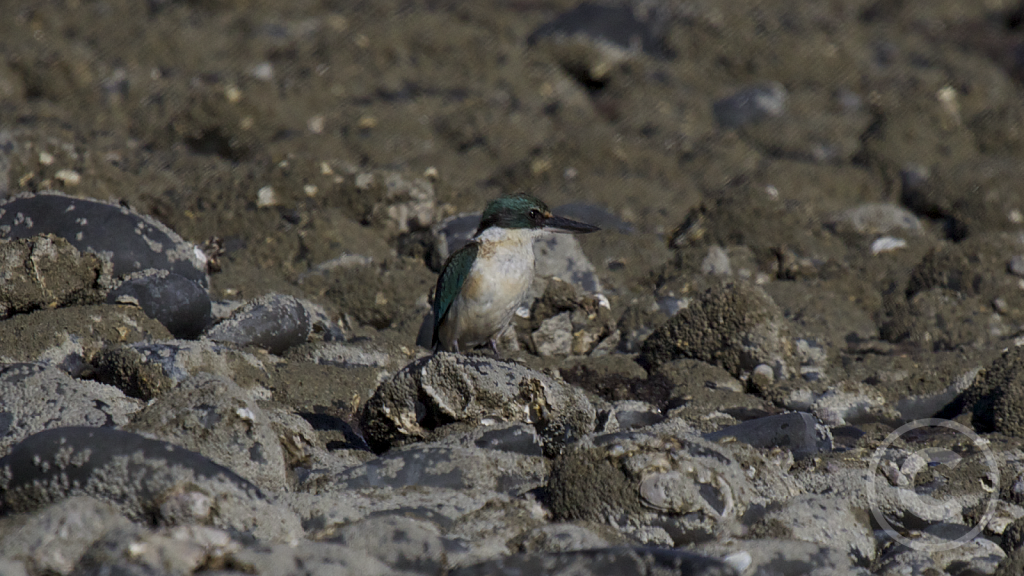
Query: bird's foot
x,y
493,343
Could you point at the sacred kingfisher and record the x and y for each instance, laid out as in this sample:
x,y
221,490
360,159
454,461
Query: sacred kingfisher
x,y
483,283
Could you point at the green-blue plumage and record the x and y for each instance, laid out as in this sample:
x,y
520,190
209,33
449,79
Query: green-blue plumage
x,y
449,283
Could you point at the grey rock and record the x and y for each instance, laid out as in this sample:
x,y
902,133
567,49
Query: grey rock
x,y
399,542
602,562
53,539
146,370
567,321
716,263
877,219
735,325
942,554
343,354
1016,265
751,104
140,476
46,271
774,556
455,468
215,417
798,432
180,304
627,415
134,549
663,480
36,397
9,567
130,241
625,27
275,323
67,337
455,388
554,337
561,256
516,438
824,520
565,537
312,559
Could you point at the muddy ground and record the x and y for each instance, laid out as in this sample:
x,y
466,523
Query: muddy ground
x,y
860,161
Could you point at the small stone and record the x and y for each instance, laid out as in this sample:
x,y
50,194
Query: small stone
x,y
887,244
266,197
316,124
716,263
763,376
554,337
1016,265
751,104
263,71
68,177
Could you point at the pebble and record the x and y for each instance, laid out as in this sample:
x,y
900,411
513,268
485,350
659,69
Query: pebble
x,y
622,27
751,104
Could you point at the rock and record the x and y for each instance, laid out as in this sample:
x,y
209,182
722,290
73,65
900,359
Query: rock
x,y
449,467
751,104
175,301
997,398
68,337
564,321
307,557
602,562
827,520
627,415
274,323
448,388
662,484
37,397
134,549
972,195
781,556
624,27
145,370
213,416
932,552
734,325
798,432
132,242
561,256
399,542
144,478
554,337
53,539
877,219
565,537
47,272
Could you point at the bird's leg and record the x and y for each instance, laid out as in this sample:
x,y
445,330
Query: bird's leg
x,y
493,343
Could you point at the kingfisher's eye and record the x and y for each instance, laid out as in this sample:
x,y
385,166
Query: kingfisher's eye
x,y
534,214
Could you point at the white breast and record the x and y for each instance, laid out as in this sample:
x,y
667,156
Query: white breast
x,y
497,283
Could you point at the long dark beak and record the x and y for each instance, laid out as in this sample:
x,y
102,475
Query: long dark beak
x,y
559,224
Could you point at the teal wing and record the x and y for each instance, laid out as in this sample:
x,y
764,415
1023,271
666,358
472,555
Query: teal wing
x,y
449,283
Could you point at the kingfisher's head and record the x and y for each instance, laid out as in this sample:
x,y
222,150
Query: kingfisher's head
x,y
524,212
